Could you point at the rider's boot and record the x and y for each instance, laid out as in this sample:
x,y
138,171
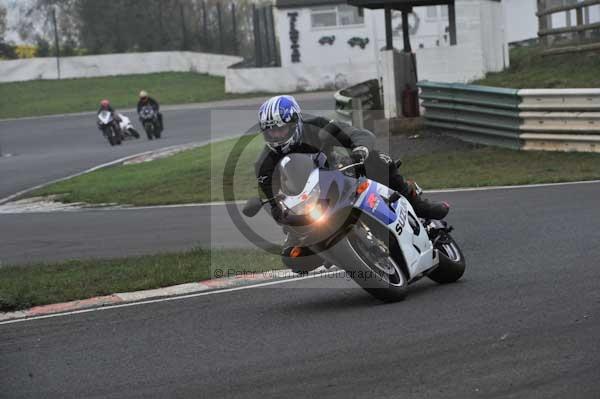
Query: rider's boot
x,y
412,192
382,168
424,208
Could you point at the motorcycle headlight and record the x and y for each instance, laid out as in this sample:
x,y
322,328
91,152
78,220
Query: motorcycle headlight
x,y
309,204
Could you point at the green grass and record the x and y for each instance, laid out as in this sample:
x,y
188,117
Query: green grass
x,y
191,177
22,287
46,97
529,70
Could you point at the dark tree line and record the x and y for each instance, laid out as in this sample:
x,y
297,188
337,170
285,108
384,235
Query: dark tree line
x,y
100,27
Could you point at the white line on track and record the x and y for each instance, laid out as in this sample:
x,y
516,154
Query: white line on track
x,y
449,190
169,299
241,202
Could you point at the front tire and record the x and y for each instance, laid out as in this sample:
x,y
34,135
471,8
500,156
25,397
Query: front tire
x,y
378,272
452,261
149,128
107,131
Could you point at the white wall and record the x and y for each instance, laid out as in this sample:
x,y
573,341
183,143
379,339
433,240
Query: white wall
x,y
115,64
481,48
297,77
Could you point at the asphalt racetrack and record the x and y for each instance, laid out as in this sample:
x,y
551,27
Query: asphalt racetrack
x,y
522,323
48,148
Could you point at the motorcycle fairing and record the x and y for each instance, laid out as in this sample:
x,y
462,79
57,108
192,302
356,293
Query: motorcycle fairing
x,y
417,249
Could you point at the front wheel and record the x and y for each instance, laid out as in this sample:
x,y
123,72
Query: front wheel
x,y
377,272
149,128
107,132
452,261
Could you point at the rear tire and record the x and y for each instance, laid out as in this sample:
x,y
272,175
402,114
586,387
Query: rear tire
x,y
452,262
381,275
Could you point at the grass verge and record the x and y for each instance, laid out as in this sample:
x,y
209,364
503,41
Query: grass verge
x,y
46,97
22,287
529,70
196,176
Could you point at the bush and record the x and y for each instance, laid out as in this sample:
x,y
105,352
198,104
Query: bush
x,y
7,51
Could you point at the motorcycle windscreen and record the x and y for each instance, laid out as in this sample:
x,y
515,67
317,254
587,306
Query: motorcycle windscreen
x,y
105,116
294,171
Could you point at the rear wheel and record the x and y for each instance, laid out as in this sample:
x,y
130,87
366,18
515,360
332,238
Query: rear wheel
x,y
452,261
379,272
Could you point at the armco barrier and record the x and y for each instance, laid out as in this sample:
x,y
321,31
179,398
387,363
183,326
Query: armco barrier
x,y
480,114
560,119
529,119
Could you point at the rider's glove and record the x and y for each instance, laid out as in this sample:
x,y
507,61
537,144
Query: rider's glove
x,y
360,154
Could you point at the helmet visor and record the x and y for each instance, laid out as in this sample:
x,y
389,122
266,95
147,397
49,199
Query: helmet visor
x,y
278,135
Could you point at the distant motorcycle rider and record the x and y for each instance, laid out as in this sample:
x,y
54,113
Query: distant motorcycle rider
x,y
145,99
105,106
285,131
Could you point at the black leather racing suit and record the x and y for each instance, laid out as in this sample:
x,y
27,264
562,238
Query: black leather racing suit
x,y
154,104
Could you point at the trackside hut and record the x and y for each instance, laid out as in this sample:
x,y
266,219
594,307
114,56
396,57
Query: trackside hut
x,y
326,44
328,33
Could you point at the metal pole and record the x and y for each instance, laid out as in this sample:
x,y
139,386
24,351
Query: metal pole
x,y
406,32
221,50
265,23
452,23
56,45
236,49
389,38
273,39
205,40
257,43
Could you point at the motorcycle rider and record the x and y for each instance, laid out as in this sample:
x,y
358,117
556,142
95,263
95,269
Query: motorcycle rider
x,y
145,99
105,106
285,131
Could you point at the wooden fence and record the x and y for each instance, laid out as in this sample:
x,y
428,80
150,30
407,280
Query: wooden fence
x,y
577,36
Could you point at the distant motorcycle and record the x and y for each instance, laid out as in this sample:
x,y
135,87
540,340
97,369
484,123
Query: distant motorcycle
x,y
127,128
149,118
110,128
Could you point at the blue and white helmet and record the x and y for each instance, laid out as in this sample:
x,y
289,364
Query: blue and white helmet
x,y
280,120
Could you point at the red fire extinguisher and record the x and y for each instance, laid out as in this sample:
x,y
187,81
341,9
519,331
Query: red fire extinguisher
x,y
410,102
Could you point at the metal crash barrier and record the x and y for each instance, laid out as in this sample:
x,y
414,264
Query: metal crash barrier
x,y
359,105
480,114
528,119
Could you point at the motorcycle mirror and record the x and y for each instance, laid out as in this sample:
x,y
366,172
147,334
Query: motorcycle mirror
x,y
252,207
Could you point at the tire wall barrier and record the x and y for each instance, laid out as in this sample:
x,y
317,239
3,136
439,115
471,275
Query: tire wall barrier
x,y
527,119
